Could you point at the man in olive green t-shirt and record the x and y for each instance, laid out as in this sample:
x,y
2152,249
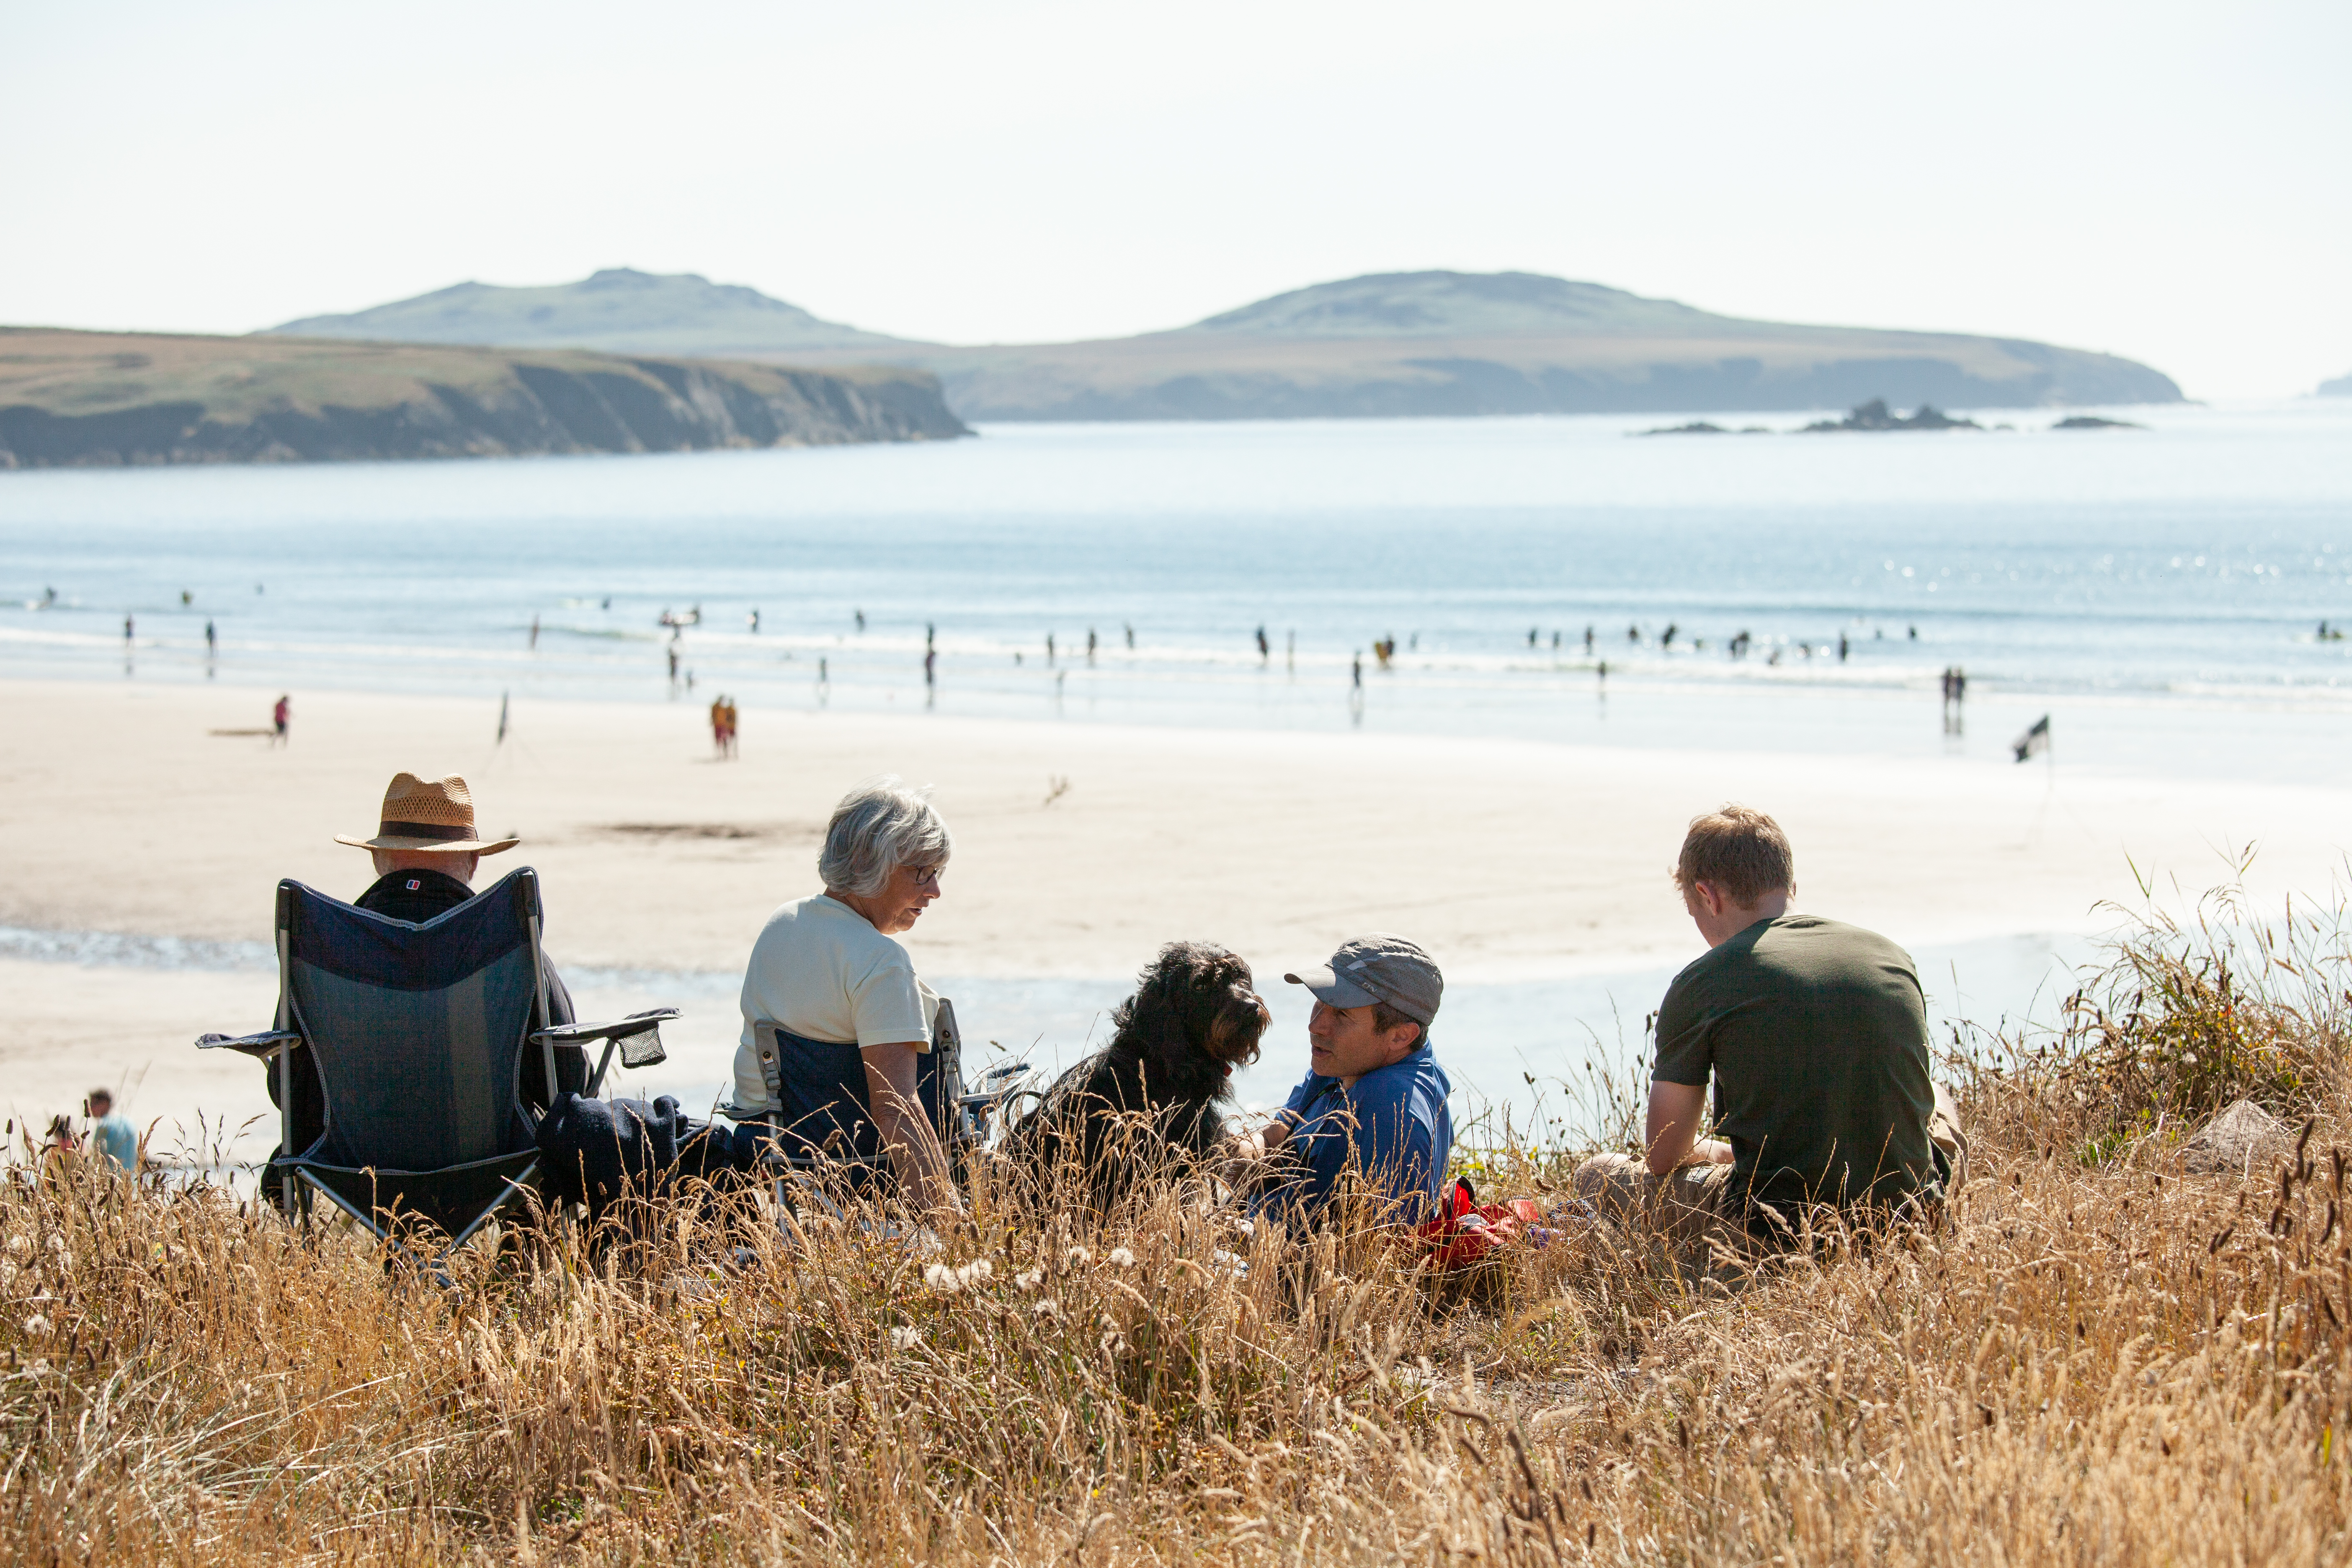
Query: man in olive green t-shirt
x,y
1815,1037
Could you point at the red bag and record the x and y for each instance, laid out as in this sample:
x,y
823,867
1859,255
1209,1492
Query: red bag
x,y
1469,1232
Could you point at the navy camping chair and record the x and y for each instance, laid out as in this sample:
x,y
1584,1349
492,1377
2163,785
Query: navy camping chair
x,y
416,1032
825,1122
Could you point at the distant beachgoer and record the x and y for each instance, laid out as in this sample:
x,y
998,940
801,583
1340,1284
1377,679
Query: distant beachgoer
x,y
1588,641
930,667
1531,636
1815,1037
186,598
534,632
1602,669
930,633
1632,633
1130,636
1555,641
1667,640
1915,633
281,714
690,680
1090,645
752,621
1844,647
673,664
127,625
861,618
115,1137
1959,687
608,601
1049,647
1356,671
1265,649
48,597
824,677
211,639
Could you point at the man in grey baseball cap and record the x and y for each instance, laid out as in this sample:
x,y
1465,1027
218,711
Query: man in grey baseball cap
x,y
1373,1101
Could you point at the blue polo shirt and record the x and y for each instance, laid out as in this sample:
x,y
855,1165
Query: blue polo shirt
x,y
1392,1125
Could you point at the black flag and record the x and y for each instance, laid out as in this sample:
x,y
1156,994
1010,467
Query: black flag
x,y
2034,740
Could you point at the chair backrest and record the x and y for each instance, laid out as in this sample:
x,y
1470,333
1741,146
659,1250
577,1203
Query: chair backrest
x,y
418,1029
826,1108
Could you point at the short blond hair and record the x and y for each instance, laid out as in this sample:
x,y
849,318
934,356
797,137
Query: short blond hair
x,y
1739,851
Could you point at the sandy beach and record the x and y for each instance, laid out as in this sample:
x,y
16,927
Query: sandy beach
x,y
126,814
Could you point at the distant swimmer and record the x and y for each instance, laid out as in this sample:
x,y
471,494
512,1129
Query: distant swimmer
x,y
861,618
1588,641
1090,645
1915,633
1667,641
752,621
673,663
1844,647
608,601
48,597
1632,633
186,598
281,715
824,673
1531,636
534,632
127,625
1130,636
211,640
1265,648
1049,649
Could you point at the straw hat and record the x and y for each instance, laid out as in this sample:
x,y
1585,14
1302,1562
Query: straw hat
x,y
436,816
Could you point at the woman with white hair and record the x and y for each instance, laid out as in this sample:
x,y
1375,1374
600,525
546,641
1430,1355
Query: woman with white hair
x,y
835,1017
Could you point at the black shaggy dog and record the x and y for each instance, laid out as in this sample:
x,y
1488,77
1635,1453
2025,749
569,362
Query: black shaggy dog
x,y
1150,1101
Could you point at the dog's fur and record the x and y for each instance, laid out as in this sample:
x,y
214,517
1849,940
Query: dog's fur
x,y
1152,1101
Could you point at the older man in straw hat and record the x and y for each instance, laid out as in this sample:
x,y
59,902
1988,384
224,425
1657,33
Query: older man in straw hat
x,y
427,849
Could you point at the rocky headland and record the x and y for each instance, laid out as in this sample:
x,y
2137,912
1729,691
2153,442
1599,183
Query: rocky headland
x,y
103,399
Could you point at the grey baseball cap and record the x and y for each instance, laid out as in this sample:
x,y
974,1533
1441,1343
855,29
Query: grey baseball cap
x,y
1378,968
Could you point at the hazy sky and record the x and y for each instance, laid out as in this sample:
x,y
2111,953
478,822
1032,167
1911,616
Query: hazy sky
x,y
2165,182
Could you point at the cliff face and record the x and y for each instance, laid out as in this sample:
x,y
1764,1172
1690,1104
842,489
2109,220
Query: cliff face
x,y
80,399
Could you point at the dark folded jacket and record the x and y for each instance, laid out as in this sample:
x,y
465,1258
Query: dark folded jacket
x,y
596,1151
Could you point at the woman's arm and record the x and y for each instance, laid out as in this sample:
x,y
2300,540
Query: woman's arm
x,y
907,1132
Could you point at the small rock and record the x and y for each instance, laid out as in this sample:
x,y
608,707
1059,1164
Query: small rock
x,y
2233,1142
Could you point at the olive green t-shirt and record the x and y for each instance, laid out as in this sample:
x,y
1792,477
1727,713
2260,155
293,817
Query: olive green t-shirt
x,y
1816,1035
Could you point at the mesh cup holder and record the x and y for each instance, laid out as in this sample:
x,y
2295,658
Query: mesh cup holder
x,y
642,1048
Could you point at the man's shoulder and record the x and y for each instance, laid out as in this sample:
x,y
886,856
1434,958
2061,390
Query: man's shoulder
x,y
1818,933
1416,1084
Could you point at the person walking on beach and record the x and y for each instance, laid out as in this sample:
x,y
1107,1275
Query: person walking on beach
x,y
127,625
752,621
673,663
112,1133
1356,671
1265,648
211,640
1588,641
281,714
1815,1037
1090,645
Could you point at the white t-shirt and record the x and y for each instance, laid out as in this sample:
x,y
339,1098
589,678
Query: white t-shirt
x,y
823,971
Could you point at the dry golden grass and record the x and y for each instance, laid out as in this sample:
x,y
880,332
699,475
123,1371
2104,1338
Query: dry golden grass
x,y
2098,1359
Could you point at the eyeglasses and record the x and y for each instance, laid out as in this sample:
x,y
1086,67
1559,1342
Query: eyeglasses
x,y
928,876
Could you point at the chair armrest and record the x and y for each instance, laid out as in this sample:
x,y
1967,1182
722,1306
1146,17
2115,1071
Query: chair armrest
x,y
581,1033
262,1046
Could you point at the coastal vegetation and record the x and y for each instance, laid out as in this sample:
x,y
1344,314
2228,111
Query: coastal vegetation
x,y
99,399
2104,1355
